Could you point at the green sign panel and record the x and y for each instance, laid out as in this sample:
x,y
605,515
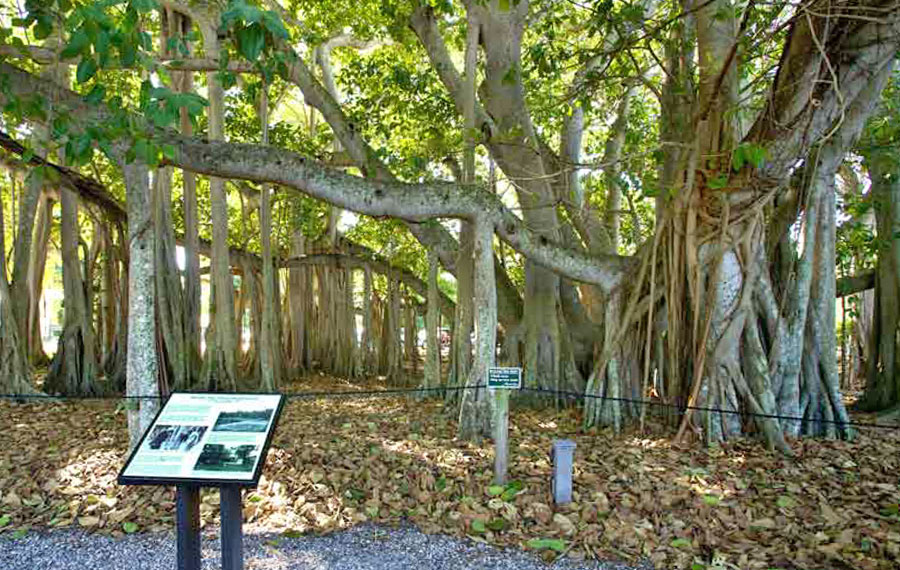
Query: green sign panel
x,y
505,378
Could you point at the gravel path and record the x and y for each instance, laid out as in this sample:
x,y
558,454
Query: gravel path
x,y
365,547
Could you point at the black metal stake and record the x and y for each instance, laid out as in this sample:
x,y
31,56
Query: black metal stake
x,y
187,507
232,520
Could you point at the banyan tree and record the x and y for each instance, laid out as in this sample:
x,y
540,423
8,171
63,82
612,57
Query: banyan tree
x,y
631,200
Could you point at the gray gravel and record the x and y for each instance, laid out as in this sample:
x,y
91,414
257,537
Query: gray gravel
x,y
364,547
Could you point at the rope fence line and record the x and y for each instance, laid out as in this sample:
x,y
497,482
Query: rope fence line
x,y
561,394
683,409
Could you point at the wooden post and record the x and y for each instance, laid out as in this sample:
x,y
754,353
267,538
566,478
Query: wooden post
x,y
500,381
501,435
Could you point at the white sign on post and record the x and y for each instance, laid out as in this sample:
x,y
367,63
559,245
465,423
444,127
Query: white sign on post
x,y
504,378
205,439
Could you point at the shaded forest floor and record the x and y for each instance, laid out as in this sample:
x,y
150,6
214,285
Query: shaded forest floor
x,y
337,462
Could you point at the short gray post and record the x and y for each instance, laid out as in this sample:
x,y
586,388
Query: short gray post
x,y
232,520
563,458
187,514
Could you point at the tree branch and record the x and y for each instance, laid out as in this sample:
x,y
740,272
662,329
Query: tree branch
x,y
411,202
853,284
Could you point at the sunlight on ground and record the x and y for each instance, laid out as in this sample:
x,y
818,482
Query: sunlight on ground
x,y
337,462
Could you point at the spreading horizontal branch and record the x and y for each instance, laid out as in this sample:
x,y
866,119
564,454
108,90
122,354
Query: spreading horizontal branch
x,y
423,202
88,188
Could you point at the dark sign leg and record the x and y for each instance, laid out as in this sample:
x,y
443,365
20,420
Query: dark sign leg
x,y
187,506
232,519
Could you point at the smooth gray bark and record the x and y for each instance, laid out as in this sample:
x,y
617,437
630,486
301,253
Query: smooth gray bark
x,y
142,372
475,411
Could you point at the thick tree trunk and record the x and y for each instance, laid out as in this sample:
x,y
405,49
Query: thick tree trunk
x,y
73,370
35,285
409,335
432,378
143,372
270,344
461,349
300,299
392,328
223,356
174,361
19,290
612,172
15,376
475,411
882,366
368,339
184,82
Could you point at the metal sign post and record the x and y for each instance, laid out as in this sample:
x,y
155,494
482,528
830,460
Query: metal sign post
x,y
500,382
232,533
187,526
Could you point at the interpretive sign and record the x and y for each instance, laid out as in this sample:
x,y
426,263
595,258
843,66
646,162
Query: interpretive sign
x,y
505,378
205,439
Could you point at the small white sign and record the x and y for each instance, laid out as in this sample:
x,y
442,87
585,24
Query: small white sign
x,y
505,378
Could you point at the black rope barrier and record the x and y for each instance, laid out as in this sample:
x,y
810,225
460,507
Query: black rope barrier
x,y
682,409
288,395
562,394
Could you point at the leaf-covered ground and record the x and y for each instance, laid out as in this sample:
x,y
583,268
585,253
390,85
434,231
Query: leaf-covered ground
x,y
337,462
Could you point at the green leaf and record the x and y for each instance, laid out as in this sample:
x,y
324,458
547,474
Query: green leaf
x,y
513,488
144,5
20,533
891,510
555,544
718,182
504,5
129,527
497,524
680,543
273,23
737,158
76,46
712,500
87,67
748,153
96,95
4,520
786,502
43,28
479,526
756,155
495,490
251,41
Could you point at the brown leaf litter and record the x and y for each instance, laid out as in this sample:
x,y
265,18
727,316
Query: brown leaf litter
x,y
337,462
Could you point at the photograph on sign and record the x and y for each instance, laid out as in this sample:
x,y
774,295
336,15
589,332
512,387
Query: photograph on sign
x,y
257,420
175,438
214,438
224,457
